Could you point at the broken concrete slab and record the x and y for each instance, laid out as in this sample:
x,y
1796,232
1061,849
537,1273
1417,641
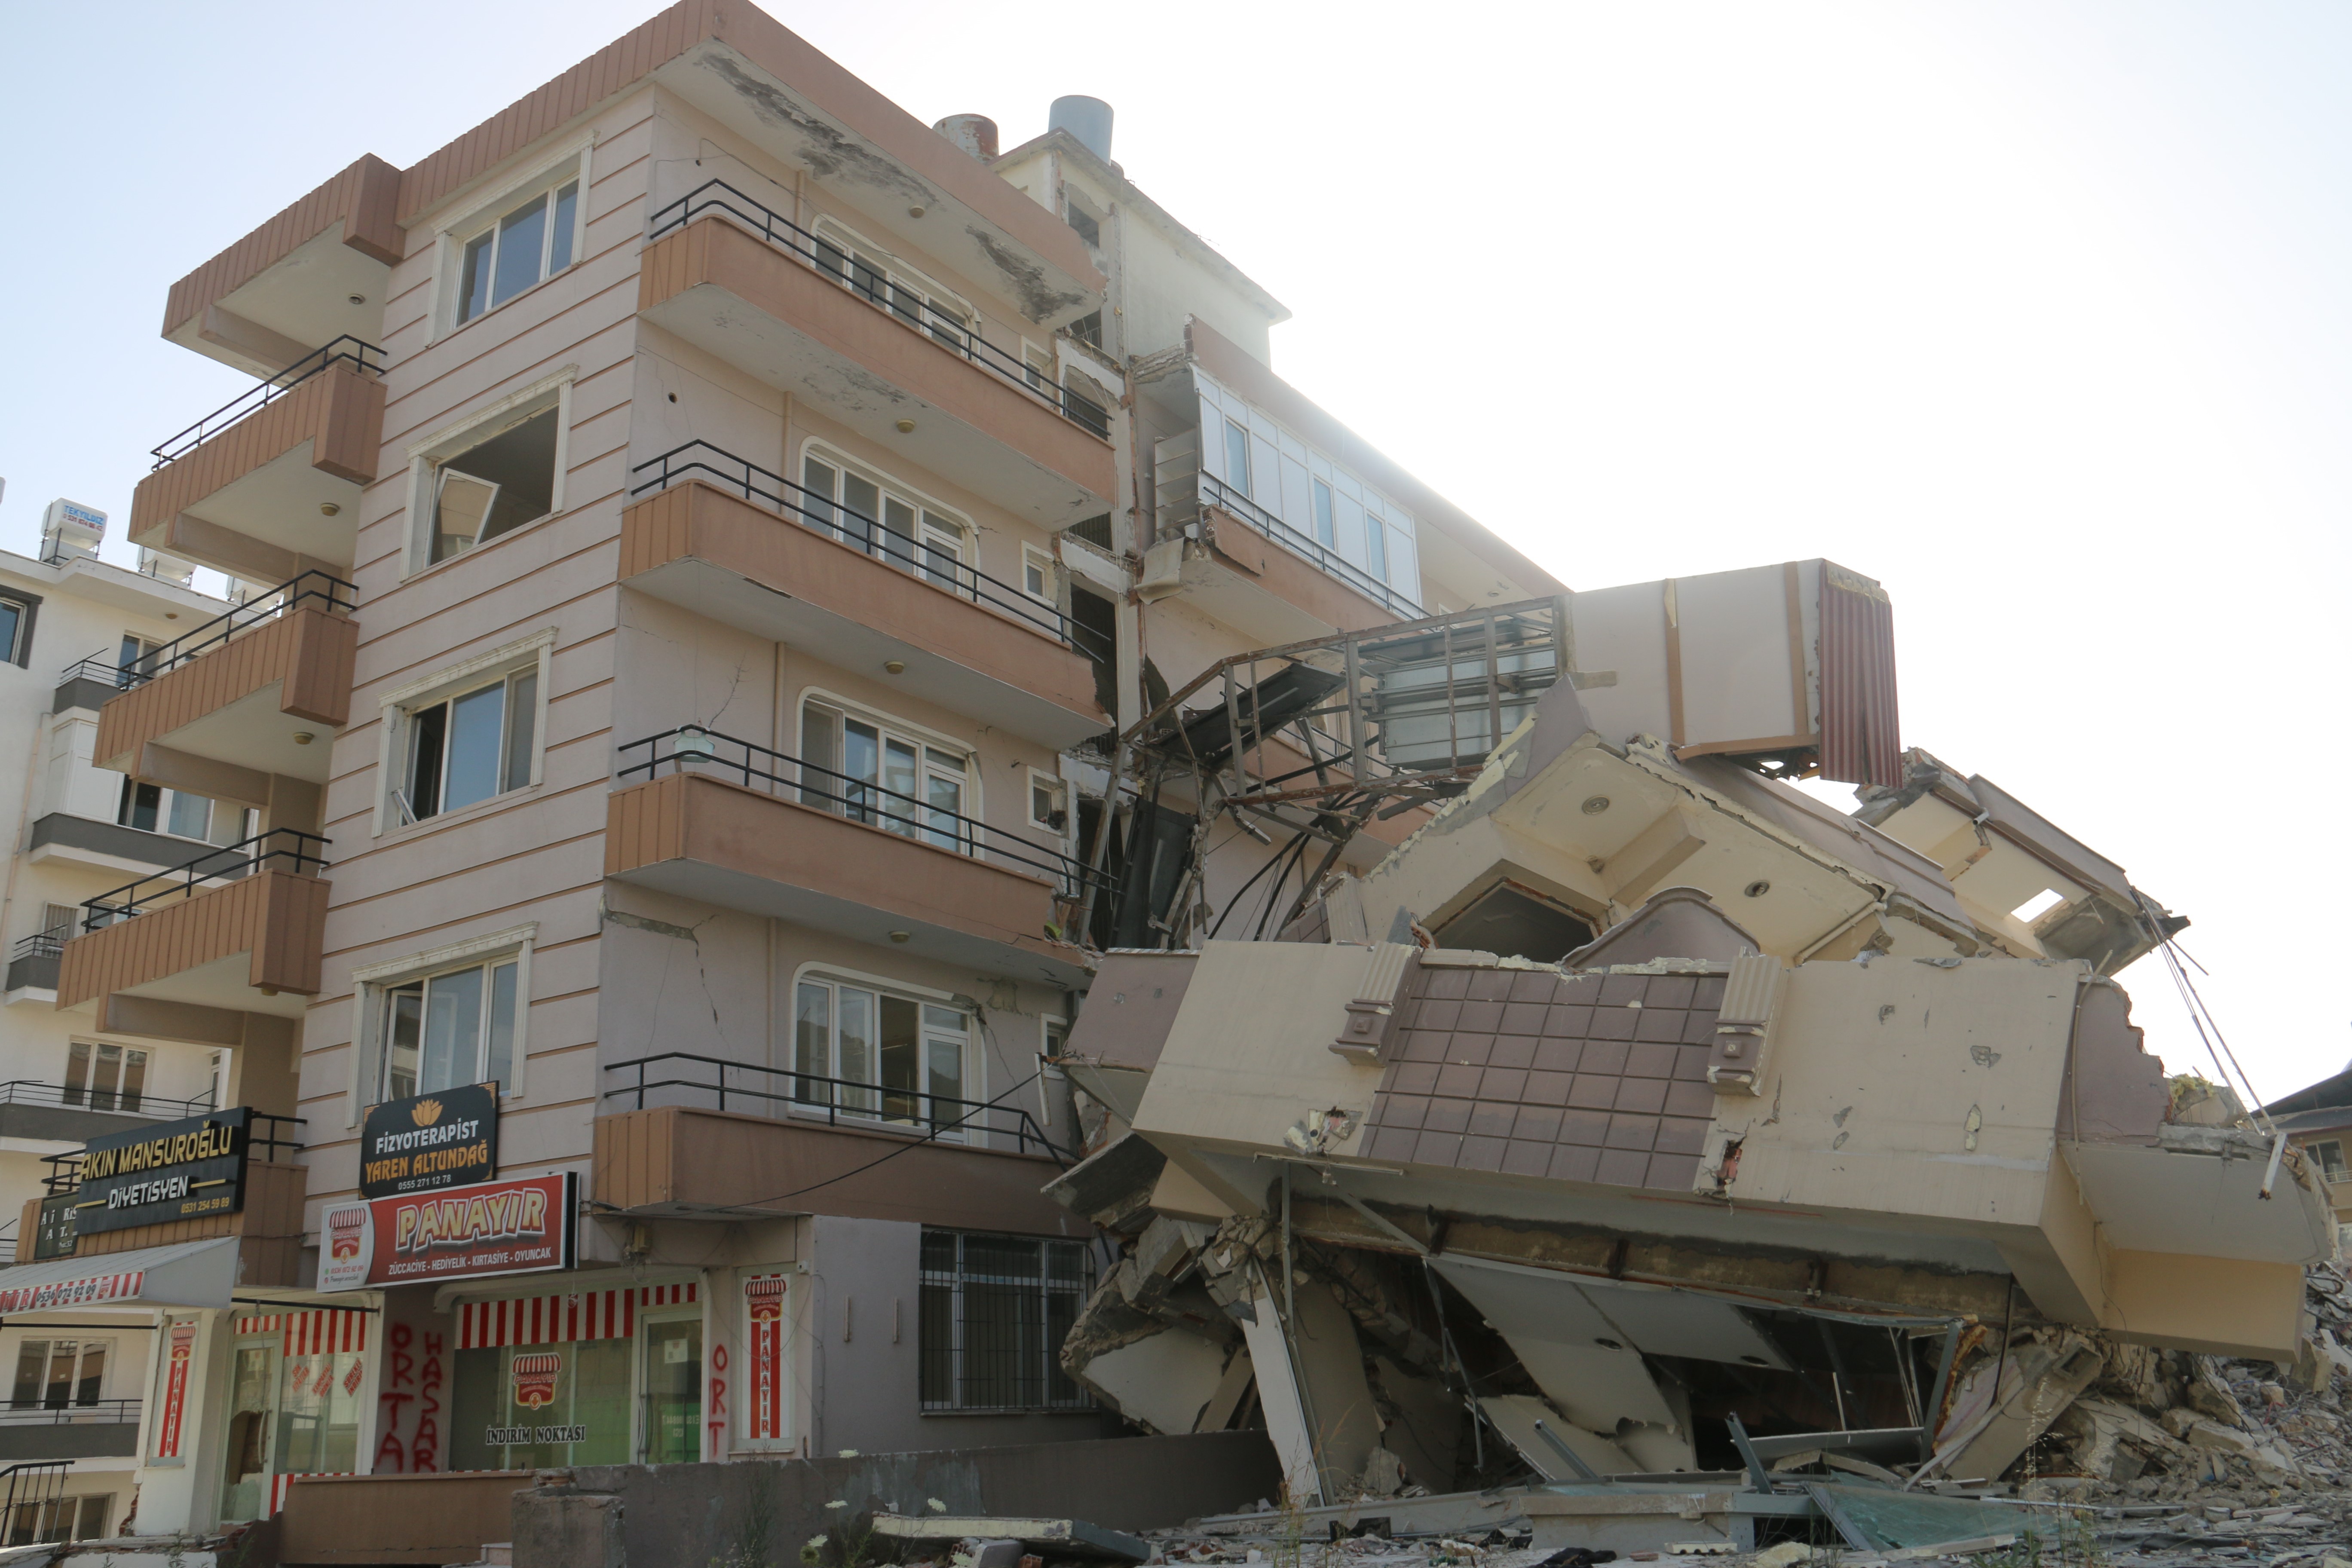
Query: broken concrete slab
x,y
1053,1537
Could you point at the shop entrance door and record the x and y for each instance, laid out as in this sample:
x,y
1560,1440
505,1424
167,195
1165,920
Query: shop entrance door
x,y
674,1392
252,1429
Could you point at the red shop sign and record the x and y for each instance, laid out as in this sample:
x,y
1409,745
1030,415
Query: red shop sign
x,y
521,1227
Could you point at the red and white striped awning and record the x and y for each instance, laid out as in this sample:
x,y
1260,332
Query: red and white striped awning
x,y
184,1274
311,1332
563,1316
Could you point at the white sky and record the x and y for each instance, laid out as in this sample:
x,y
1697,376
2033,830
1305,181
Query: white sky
x,y
2034,312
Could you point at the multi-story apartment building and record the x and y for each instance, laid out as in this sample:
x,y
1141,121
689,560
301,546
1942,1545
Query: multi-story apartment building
x,y
721,525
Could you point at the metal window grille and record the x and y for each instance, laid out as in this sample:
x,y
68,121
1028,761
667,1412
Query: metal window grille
x,y
994,1311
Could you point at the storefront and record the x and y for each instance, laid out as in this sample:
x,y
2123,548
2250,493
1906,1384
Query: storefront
x,y
578,1377
297,1388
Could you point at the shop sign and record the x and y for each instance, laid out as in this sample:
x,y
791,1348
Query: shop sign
x,y
427,1142
519,1227
54,1235
536,1375
159,1173
183,1350
763,1304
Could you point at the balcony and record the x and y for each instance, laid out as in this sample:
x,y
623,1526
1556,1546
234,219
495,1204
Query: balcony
x,y
61,838
249,690
238,928
94,1429
258,487
790,566
315,271
726,821
744,284
682,1136
68,1113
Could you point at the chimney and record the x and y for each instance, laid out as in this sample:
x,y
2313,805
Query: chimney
x,y
975,133
1086,119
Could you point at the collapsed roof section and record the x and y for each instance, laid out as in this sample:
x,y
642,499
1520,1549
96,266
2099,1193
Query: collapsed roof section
x,y
2030,888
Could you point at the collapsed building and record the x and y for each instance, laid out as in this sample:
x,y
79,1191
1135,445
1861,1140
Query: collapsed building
x,y
1641,1114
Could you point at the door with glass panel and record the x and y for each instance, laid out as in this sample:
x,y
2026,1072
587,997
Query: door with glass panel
x,y
890,1058
871,773
58,1374
673,1429
104,1077
250,1432
451,1029
877,519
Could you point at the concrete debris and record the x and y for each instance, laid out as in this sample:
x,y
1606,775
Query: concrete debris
x,y
1058,1539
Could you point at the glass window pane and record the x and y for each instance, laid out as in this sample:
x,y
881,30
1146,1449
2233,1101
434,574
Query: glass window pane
x,y
559,244
403,1029
134,1078
856,1040
77,1071
453,1031
476,725
1326,527
899,780
943,1077
861,766
821,757
1237,457
473,278
503,981
817,481
32,1367
12,620
1376,546
900,1057
494,487
813,1043
861,504
942,804
899,548
522,721
90,1377
141,805
192,815
522,233
57,1389
429,731
942,551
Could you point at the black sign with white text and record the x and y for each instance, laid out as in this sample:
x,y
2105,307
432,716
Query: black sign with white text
x,y
170,1171
446,1138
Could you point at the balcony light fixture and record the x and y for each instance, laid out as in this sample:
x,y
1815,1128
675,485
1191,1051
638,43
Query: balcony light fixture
x,y
906,427
894,667
692,742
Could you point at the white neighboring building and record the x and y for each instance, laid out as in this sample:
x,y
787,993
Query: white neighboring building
x,y
77,1379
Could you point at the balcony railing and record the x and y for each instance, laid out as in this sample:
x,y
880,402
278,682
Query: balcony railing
x,y
346,350
950,332
318,589
121,1101
65,1413
822,514
783,1092
861,800
49,943
280,848
1216,492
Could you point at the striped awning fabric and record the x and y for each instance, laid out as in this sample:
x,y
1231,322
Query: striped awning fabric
x,y
565,1315
88,1289
311,1332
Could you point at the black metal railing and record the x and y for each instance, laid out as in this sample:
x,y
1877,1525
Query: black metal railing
x,y
1218,493
280,848
860,800
788,1092
82,1096
822,514
949,331
345,350
35,1507
321,590
49,943
70,1413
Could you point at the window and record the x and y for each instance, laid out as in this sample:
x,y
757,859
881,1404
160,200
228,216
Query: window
x,y
105,1077
471,746
1088,227
152,808
1048,804
1376,546
1037,366
504,479
870,773
905,294
452,1028
1036,574
880,1057
56,1374
1326,531
527,243
994,1311
884,518
1237,465
1087,329
2330,1156
16,629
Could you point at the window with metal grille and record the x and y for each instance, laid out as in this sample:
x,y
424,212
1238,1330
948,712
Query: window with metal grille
x,y
995,1311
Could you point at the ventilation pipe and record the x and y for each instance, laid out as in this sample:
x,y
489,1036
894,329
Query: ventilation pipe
x,y
1086,119
975,133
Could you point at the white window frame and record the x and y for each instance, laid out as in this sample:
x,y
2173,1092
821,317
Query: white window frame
x,y
83,1342
548,174
1039,779
964,546
426,456
974,1078
88,1090
396,708
896,274
922,737
373,983
167,801
1041,561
